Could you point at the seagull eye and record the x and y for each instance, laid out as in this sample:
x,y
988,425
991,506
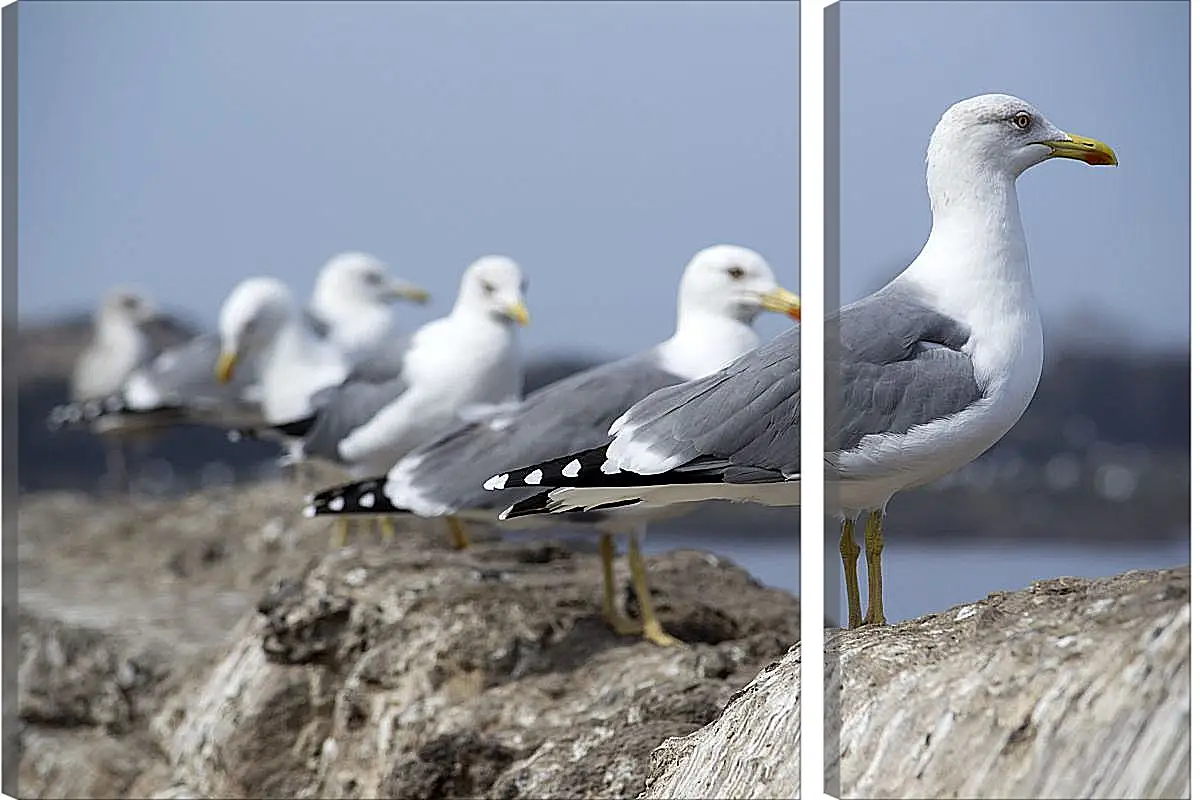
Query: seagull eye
x,y
488,288
1022,120
374,278
737,273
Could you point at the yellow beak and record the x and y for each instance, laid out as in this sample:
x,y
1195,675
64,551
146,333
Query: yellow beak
x,y
1081,148
781,301
518,313
409,291
225,365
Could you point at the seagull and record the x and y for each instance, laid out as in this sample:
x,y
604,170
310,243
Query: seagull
x,y
261,326
934,368
466,363
722,291
118,347
733,435
351,303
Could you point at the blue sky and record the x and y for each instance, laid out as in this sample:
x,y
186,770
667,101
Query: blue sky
x,y
1106,245
181,146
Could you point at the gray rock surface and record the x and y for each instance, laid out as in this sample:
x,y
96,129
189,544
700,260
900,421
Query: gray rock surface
x,y
216,647
1071,688
751,751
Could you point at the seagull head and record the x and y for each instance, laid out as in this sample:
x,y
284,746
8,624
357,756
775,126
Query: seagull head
x,y
250,318
125,306
494,286
998,134
734,282
357,280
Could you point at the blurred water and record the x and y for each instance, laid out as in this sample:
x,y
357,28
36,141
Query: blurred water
x,y
921,578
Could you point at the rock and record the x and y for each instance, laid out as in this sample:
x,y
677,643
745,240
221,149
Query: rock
x,y
419,678
751,751
1071,688
73,677
211,666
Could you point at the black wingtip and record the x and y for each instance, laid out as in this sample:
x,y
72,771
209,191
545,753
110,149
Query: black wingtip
x,y
297,429
568,470
358,497
538,504
83,412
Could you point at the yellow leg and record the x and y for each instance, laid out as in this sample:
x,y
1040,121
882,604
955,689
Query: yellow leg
x,y
620,624
341,527
458,534
850,551
875,570
387,530
651,628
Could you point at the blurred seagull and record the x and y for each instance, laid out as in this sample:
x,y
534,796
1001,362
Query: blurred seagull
x,y
350,309
119,346
466,363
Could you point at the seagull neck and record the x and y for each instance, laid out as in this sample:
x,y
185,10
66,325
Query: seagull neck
x,y
976,248
470,315
115,330
704,342
294,341
294,365
356,325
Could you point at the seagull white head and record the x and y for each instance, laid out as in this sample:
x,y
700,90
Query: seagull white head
x,y
125,306
733,282
353,278
253,314
495,286
1001,136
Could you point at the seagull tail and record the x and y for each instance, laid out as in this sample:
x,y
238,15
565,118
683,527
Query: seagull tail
x,y
548,502
358,497
540,503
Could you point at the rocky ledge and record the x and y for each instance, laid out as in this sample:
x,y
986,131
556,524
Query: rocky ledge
x,y
217,647
1069,688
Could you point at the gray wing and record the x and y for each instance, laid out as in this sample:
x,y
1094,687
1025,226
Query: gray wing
x,y
382,364
571,414
345,408
186,375
739,425
742,421
893,363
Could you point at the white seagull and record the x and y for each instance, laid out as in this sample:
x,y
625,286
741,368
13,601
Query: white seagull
x,y
934,368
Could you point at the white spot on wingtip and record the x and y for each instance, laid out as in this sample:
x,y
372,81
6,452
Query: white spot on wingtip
x,y
572,469
609,467
534,478
367,500
496,482
504,513
310,511
337,504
